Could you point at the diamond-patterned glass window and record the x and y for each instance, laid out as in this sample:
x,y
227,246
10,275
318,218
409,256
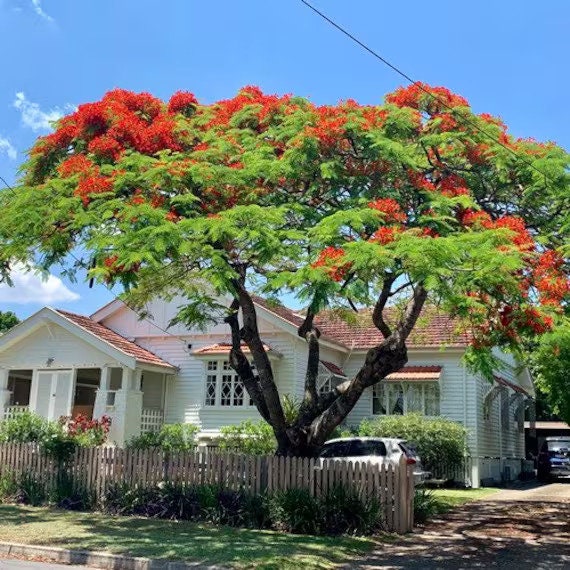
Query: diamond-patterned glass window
x,y
211,390
224,387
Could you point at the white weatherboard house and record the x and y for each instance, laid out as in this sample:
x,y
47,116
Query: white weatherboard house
x,y
57,363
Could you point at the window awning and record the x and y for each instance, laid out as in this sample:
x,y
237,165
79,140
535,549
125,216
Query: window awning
x,y
223,349
415,374
500,380
333,368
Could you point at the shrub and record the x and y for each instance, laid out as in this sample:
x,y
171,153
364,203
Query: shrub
x,y
31,489
294,510
343,511
171,437
8,488
86,432
253,438
439,441
425,505
26,427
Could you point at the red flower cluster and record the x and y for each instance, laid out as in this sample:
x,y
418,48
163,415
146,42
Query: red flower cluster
x,y
550,280
87,431
426,98
384,235
331,259
267,105
182,102
389,208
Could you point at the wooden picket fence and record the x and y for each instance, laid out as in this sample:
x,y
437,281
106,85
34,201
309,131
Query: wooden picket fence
x,y
97,469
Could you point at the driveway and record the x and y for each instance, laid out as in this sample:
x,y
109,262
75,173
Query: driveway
x,y
520,529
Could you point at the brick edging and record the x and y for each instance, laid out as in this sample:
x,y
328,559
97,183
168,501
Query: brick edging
x,y
98,559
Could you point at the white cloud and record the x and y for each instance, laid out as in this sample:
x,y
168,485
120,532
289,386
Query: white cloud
x,y
36,119
31,287
7,147
37,5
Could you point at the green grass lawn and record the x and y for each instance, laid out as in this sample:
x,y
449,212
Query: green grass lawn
x,y
225,546
449,498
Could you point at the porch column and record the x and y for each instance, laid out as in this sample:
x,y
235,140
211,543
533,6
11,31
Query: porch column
x,y
128,408
100,406
4,393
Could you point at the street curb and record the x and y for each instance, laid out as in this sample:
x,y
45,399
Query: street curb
x,y
99,559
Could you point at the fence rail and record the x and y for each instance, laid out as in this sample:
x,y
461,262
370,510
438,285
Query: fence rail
x,y
96,470
11,412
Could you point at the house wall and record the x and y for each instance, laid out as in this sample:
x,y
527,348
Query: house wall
x,y
501,443
186,390
461,394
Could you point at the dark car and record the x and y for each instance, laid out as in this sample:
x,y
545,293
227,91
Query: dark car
x,y
554,458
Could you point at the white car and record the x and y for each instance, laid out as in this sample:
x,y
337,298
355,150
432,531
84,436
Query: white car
x,y
381,450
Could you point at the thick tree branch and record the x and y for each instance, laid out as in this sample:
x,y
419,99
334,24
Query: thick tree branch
x,y
241,365
377,314
249,333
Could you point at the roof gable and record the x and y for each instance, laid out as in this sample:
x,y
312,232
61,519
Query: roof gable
x,y
95,334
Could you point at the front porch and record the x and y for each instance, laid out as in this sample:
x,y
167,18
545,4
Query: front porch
x,y
134,399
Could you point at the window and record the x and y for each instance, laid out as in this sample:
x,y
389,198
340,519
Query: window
x,y
327,381
397,398
223,386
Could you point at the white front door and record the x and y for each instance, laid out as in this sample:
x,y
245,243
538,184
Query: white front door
x,y
53,393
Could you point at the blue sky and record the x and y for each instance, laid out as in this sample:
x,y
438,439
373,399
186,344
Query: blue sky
x,y
507,58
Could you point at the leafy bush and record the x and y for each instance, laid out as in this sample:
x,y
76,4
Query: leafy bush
x,y
425,505
86,432
8,488
294,510
26,427
171,437
439,441
31,428
343,511
253,438
31,489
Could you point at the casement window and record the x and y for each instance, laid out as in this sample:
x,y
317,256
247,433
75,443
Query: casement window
x,y
224,387
327,381
397,398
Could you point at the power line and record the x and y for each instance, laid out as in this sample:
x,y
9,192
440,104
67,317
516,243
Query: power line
x,y
420,86
115,297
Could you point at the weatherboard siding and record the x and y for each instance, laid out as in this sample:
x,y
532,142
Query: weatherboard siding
x,y
66,350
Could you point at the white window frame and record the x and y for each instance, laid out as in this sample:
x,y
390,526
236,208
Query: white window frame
x,y
220,367
327,380
404,386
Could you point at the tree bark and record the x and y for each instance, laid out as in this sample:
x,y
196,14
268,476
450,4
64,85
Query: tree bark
x,y
319,415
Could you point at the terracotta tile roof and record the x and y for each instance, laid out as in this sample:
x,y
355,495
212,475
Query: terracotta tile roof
x,y
114,339
415,373
225,347
433,329
508,384
331,367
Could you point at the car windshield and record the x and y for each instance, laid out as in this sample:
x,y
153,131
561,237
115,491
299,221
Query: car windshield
x,y
356,448
562,445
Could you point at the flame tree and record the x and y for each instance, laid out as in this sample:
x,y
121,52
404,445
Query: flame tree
x,y
345,205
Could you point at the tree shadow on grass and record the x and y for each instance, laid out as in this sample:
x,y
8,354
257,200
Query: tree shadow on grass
x,y
180,540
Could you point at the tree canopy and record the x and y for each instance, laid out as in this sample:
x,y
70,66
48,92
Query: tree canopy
x,y
8,319
417,200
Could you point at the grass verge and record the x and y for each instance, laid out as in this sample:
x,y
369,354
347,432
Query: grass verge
x,y
224,546
449,498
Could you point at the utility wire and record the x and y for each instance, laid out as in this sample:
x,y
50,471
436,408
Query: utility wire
x,y
420,86
115,297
